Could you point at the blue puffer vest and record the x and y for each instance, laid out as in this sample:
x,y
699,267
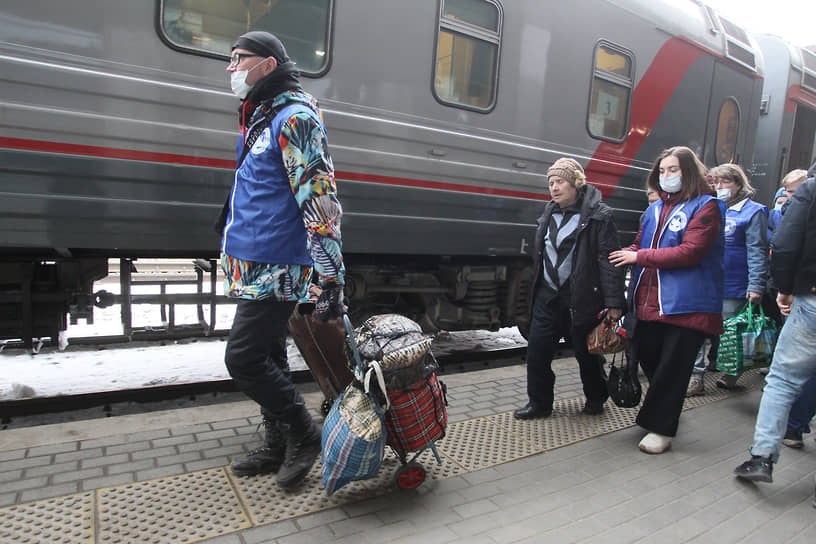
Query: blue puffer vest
x,y
685,290
736,251
265,224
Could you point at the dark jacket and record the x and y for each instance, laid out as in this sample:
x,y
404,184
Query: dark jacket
x,y
793,249
595,283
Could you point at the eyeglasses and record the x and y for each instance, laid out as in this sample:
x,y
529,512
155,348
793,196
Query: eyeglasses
x,y
723,181
236,58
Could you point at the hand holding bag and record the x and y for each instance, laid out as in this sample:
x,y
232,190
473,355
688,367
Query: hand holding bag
x,y
607,337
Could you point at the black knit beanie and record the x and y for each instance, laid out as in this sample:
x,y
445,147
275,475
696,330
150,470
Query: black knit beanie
x,y
264,44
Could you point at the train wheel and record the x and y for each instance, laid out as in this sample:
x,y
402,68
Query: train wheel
x,y
410,476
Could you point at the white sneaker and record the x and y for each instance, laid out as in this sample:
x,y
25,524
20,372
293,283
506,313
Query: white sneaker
x,y
655,443
695,388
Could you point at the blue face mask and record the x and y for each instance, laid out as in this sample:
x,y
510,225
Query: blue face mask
x,y
672,184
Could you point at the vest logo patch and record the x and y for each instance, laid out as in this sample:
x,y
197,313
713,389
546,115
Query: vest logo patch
x,y
730,227
678,222
261,143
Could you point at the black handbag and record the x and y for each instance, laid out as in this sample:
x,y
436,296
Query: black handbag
x,y
623,384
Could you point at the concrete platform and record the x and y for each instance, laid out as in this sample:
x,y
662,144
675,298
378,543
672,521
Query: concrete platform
x,y
161,477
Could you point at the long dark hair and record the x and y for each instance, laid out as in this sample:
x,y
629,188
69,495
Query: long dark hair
x,y
691,169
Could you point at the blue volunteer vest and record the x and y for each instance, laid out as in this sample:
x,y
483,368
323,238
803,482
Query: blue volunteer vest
x,y
736,251
265,224
697,288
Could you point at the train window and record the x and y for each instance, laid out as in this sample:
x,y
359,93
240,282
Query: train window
x,y
467,53
611,93
737,44
727,132
210,27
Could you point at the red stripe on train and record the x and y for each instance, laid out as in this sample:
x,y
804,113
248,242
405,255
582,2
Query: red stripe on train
x,y
406,182
170,158
112,153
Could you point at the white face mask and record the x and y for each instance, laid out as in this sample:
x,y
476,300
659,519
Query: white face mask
x,y
238,82
672,184
239,85
724,193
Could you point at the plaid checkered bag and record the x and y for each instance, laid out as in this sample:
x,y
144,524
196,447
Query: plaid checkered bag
x,y
417,416
353,436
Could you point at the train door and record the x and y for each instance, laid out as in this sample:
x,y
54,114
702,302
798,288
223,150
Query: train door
x,y
802,145
734,90
729,116
803,142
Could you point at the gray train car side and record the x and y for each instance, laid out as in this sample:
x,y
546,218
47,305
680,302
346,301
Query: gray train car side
x,y
119,132
786,133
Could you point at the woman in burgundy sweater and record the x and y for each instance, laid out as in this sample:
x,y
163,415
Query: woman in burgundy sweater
x,y
677,287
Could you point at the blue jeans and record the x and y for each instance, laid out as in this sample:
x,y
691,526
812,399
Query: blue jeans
x,y
794,363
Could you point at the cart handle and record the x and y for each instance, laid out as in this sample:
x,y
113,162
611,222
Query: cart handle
x,y
352,342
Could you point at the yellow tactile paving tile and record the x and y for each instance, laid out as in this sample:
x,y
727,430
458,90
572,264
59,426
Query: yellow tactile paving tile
x,y
175,510
64,520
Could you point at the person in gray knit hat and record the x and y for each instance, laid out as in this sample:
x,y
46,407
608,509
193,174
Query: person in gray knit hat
x,y
573,283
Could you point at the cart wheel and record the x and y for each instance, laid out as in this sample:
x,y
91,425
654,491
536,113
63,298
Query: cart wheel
x,y
410,476
325,406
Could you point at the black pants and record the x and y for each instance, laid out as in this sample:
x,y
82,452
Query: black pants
x,y
256,356
551,321
666,354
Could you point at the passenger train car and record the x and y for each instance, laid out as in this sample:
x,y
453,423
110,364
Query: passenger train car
x,y
787,123
119,130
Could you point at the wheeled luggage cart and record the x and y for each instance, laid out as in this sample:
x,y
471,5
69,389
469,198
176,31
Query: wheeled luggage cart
x,y
417,417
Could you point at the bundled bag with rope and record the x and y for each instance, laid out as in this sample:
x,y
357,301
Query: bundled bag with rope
x,y
399,346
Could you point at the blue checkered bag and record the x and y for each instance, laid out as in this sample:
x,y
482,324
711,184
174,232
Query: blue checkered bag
x,y
353,437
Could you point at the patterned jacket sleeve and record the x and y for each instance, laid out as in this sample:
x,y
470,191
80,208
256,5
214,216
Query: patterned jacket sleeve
x,y
311,176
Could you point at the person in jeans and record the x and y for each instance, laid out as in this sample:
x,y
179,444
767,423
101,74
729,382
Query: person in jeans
x,y
746,258
279,227
677,288
573,283
793,264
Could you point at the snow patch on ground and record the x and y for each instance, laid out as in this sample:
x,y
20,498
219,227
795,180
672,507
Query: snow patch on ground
x,y
88,369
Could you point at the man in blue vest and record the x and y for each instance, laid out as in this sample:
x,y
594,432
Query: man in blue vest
x,y
280,225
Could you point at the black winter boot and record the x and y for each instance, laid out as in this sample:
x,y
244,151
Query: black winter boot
x,y
268,458
303,439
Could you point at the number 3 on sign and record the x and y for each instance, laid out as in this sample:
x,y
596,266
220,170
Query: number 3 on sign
x,y
607,105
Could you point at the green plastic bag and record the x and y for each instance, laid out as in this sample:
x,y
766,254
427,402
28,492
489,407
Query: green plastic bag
x,y
748,341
